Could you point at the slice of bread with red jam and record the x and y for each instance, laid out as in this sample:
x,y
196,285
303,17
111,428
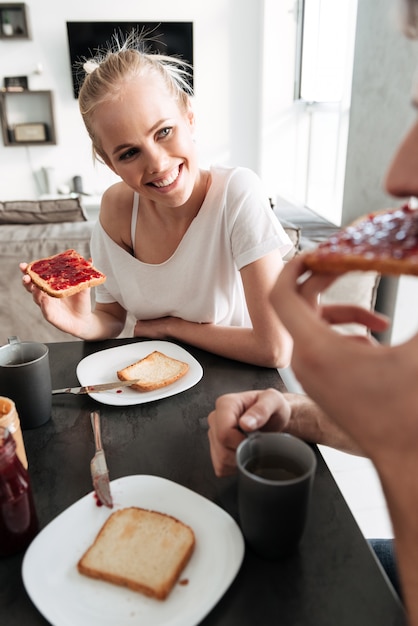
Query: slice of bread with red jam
x,y
384,241
64,274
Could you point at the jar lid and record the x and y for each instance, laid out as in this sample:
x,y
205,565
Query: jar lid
x,y
8,413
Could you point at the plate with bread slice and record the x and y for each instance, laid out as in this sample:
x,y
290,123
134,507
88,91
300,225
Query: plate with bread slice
x,y
149,560
159,369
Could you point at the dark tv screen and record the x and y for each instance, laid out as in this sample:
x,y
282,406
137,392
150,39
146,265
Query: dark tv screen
x,y
85,38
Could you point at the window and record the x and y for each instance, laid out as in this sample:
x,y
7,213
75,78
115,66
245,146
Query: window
x,y
326,45
326,37
308,62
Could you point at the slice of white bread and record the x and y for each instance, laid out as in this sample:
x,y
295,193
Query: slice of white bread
x,y
64,274
143,550
154,371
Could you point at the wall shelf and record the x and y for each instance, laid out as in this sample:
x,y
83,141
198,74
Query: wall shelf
x,y
27,118
14,21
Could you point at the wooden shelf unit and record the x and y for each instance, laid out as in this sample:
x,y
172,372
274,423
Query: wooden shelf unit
x,y
27,118
14,22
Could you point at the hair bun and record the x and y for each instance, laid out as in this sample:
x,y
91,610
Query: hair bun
x,y
90,66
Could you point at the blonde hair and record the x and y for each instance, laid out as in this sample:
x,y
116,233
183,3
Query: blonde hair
x,y
108,70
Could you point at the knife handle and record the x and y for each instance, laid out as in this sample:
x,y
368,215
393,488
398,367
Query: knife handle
x,y
95,422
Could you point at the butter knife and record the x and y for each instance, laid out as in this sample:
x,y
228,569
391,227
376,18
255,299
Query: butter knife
x,y
96,388
98,466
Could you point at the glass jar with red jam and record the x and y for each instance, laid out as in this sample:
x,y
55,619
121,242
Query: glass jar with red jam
x,y
18,519
9,419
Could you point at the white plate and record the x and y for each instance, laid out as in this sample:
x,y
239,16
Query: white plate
x,y
101,367
67,598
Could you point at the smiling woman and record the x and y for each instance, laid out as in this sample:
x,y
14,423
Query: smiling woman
x,y
191,253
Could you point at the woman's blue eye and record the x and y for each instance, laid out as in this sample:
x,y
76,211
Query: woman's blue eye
x,y
128,154
165,131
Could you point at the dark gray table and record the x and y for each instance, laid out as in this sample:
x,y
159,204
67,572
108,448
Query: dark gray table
x,y
333,580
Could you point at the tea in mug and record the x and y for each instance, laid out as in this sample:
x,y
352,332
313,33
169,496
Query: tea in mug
x,y
274,467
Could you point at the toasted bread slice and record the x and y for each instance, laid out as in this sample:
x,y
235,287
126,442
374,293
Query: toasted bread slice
x,y
143,550
64,274
383,241
154,371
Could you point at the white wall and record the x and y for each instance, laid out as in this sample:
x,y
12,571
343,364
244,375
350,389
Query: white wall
x,y
279,146
227,84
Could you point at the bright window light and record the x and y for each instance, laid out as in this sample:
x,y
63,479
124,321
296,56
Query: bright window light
x,y
327,39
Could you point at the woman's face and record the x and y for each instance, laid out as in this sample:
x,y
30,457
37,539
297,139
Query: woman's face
x,y
147,139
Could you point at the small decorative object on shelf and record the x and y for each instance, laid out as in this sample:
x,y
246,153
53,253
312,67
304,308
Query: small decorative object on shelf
x,y
36,131
13,21
6,25
16,83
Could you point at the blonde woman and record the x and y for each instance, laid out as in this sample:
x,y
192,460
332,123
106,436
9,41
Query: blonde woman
x,y
192,253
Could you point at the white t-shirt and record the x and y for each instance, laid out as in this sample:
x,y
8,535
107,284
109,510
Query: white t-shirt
x,y
200,282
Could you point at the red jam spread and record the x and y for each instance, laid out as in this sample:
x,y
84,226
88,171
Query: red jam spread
x,y
18,519
391,234
97,500
64,271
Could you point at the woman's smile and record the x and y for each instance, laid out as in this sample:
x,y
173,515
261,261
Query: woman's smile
x,y
166,183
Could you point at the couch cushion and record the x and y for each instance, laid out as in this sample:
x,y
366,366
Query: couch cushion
x,y
358,288
42,211
29,242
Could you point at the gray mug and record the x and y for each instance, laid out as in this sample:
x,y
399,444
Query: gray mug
x,y
25,377
275,476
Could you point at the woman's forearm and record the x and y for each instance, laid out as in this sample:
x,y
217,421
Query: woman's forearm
x,y
106,321
100,326
242,344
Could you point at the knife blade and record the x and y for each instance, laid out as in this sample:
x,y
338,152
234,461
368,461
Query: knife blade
x,y
98,466
95,388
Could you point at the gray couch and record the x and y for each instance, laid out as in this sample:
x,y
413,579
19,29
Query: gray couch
x,y
30,230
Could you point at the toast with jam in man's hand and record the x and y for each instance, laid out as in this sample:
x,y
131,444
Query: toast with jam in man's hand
x,y
384,241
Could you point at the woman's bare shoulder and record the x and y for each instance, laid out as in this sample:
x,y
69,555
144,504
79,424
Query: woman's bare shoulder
x,y
116,211
119,195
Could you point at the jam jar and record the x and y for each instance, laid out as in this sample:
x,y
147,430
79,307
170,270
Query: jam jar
x,y
18,519
9,419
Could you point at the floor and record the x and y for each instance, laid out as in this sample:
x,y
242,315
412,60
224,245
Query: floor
x,y
357,480
360,486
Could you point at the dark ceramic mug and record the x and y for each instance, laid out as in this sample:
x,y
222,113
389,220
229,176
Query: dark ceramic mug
x,y
25,377
275,476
